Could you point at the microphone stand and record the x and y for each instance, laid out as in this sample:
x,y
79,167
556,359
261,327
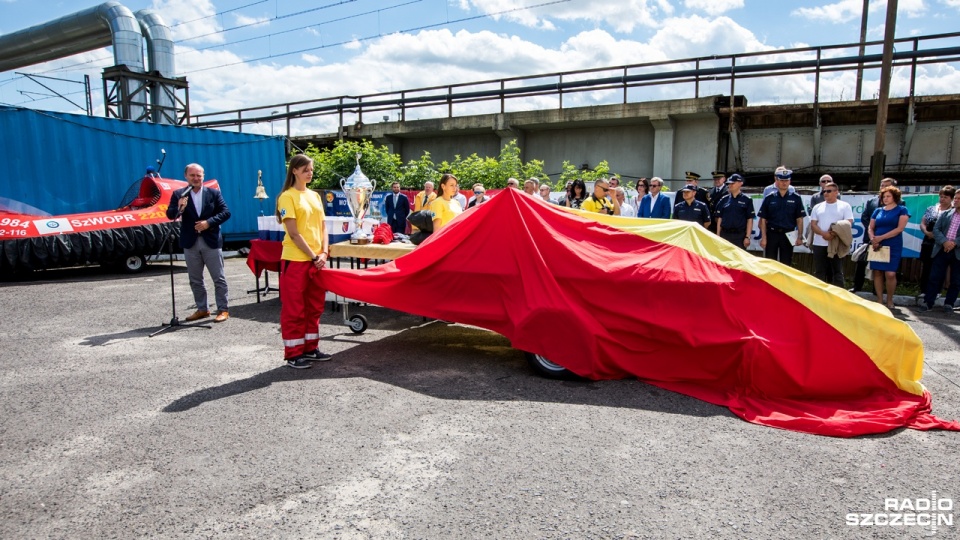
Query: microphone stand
x,y
175,323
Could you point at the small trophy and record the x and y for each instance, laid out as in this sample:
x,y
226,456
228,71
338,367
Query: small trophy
x,y
358,189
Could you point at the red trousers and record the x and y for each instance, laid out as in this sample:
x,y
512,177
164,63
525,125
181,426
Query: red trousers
x,y
302,299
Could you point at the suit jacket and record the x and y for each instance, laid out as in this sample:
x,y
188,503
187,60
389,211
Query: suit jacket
x,y
940,233
868,209
396,215
213,209
661,210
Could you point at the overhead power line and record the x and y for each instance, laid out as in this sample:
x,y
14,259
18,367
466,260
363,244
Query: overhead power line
x,y
277,18
368,38
217,14
297,29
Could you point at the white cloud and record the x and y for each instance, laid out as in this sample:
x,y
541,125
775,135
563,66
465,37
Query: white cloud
x,y
951,3
714,7
190,18
243,20
311,59
713,36
622,16
845,11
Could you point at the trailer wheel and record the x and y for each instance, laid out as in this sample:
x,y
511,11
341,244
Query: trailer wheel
x,y
133,264
357,324
545,368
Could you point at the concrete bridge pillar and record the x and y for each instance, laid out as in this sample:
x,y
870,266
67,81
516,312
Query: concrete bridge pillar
x,y
507,133
663,136
393,144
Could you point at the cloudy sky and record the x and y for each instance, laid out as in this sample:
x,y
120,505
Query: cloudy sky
x,y
249,53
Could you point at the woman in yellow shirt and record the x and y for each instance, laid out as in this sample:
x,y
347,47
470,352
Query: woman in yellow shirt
x,y
445,207
305,254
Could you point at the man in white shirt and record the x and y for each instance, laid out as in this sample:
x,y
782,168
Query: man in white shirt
x,y
626,210
460,198
822,218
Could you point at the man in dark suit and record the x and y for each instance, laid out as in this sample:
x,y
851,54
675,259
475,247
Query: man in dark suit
x,y
201,211
946,234
716,193
396,207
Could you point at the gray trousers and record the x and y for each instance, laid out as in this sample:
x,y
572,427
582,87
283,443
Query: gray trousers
x,y
198,256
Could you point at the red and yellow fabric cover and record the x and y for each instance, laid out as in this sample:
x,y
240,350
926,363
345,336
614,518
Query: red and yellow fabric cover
x,y
669,303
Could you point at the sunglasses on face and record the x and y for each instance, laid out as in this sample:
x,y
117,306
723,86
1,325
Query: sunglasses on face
x,y
475,192
829,191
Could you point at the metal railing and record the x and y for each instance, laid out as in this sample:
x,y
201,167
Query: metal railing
x,y
817,61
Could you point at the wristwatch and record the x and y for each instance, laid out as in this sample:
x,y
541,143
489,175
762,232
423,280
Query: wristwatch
x,y
316,258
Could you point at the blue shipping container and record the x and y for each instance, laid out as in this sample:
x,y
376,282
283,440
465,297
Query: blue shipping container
x,y
66,163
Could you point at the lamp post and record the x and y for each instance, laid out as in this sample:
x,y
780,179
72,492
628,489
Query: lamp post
x,y
271,121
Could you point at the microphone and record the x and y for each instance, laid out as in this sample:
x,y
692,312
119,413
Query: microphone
x,y
183,197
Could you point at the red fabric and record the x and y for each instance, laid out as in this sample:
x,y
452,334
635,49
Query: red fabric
x,y
264,255
382,234
302,306
606,304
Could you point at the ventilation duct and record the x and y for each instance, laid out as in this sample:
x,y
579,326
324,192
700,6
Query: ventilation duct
x,y
160,60
107,24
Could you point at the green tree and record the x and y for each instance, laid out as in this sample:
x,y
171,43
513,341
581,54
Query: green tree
x,y
569,172
417,171
332,164
378,163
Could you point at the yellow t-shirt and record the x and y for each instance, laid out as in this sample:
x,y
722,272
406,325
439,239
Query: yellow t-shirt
x,y
603,206
445,211
306,207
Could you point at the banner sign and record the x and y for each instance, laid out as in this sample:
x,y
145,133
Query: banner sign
x,y
912,236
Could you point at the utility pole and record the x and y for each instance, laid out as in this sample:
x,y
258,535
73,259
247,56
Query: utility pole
x,y
863,47
879,159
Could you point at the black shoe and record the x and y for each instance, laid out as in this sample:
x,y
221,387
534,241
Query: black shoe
x,y
924,308
947,308
298,363
316,356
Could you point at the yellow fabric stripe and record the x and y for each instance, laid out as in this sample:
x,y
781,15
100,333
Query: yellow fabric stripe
x,y
892,345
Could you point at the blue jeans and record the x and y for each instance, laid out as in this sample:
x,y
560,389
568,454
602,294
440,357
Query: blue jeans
x,y
938,272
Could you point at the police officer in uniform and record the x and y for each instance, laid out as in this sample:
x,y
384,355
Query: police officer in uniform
x,y
690,209
781,212
702,194
716,193
734,214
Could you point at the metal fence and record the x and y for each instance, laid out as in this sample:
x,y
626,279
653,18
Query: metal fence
x,y
691,77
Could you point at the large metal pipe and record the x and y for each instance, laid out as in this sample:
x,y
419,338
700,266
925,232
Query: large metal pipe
x,y
109,23
160,59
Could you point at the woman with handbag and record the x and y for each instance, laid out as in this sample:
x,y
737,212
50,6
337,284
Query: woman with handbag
x,y
886,238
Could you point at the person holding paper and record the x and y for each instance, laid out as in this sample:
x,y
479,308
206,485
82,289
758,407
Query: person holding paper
x,y
886,242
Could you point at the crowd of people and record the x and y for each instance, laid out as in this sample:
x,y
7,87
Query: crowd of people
x,y
724,209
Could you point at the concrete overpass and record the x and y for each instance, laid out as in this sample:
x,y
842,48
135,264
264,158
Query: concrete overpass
x,y
666,138
617,114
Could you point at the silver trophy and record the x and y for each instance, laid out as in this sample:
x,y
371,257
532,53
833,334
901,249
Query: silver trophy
x,y
358,189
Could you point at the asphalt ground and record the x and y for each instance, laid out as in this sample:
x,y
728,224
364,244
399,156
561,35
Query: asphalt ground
x,y
415,429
